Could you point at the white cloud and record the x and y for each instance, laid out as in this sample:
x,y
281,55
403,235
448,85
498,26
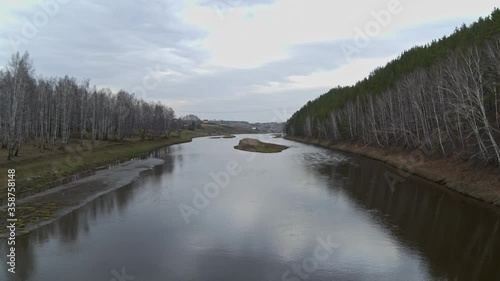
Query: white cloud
x,y
225,53
347,74
247,37
10,6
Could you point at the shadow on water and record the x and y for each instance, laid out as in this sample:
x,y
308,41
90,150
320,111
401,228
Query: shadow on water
x,y
459,237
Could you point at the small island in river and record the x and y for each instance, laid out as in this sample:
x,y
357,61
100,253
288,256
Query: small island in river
x,y
254,145
223,137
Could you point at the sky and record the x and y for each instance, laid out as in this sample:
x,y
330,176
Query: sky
x,y
257,61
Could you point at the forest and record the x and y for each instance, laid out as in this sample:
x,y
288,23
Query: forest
x,y
441,98
50,111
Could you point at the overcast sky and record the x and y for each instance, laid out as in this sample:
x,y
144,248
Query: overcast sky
x,y
257,60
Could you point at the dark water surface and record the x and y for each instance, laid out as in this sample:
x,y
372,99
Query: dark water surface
x,y
304,214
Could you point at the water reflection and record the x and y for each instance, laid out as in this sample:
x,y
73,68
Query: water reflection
x,y
266,222
459,237
72,227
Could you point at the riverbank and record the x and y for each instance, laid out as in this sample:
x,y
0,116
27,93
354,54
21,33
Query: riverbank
x,y
46,190
38,169
479,183
45,207
50,184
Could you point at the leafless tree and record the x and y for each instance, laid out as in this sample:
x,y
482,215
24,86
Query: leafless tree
x,y
51,111
450,108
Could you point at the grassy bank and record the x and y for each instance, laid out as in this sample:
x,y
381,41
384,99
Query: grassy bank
x,y
36,168
482,183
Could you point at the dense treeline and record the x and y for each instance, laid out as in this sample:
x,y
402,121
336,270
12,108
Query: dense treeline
x,y
48,111
442,98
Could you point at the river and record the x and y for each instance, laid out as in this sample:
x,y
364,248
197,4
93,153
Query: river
x,y
211,212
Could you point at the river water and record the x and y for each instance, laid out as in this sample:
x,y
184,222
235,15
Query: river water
x,y
211,212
